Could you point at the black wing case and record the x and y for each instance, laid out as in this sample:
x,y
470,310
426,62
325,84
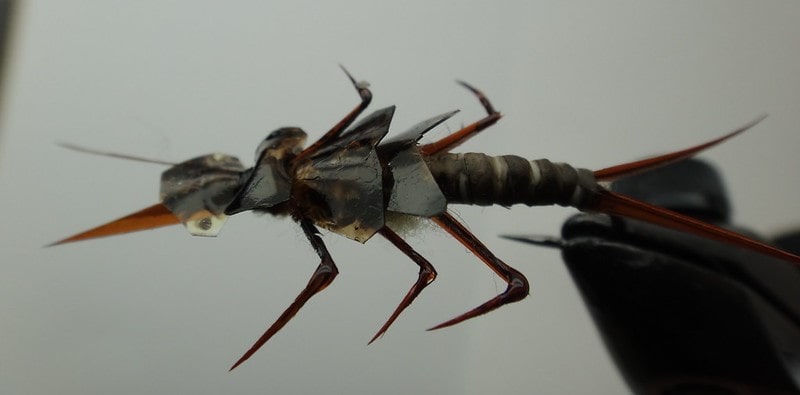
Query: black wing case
x,y
411,187
342,182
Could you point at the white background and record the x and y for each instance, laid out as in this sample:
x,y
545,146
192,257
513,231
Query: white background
x,y
590,83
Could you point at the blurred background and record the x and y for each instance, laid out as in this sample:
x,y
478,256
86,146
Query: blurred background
x,y
593,84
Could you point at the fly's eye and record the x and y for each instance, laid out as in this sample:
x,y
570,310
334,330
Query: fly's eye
x,y
205,223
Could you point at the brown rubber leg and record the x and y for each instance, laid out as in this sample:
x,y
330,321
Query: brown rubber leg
x,y
322,277
426,276
454,140
366,98
517,283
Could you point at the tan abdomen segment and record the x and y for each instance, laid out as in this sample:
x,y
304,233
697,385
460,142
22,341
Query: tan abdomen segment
x,y
484,180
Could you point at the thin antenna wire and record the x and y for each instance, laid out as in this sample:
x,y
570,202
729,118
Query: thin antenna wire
x,y
113,154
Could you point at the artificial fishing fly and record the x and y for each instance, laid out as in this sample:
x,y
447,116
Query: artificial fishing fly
x,y
351,179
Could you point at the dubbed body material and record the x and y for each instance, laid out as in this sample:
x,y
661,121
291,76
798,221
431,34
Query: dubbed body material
x,y
349,180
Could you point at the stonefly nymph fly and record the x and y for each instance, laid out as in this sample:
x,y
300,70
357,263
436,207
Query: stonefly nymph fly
x,y
352,181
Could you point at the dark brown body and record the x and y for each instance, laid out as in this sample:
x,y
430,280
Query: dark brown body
x,y
483,180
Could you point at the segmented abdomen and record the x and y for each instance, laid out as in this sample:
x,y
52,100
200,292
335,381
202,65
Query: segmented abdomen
x,y
483,180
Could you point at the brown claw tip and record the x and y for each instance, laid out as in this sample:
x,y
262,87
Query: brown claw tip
x,y
386,325
440,326
452,322
239,362
380,333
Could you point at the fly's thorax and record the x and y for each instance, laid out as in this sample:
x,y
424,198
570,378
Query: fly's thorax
x,y
269,182
480,179
342,193
341,182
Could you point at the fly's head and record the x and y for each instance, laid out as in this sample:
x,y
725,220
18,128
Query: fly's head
x,y
269,182
199,190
